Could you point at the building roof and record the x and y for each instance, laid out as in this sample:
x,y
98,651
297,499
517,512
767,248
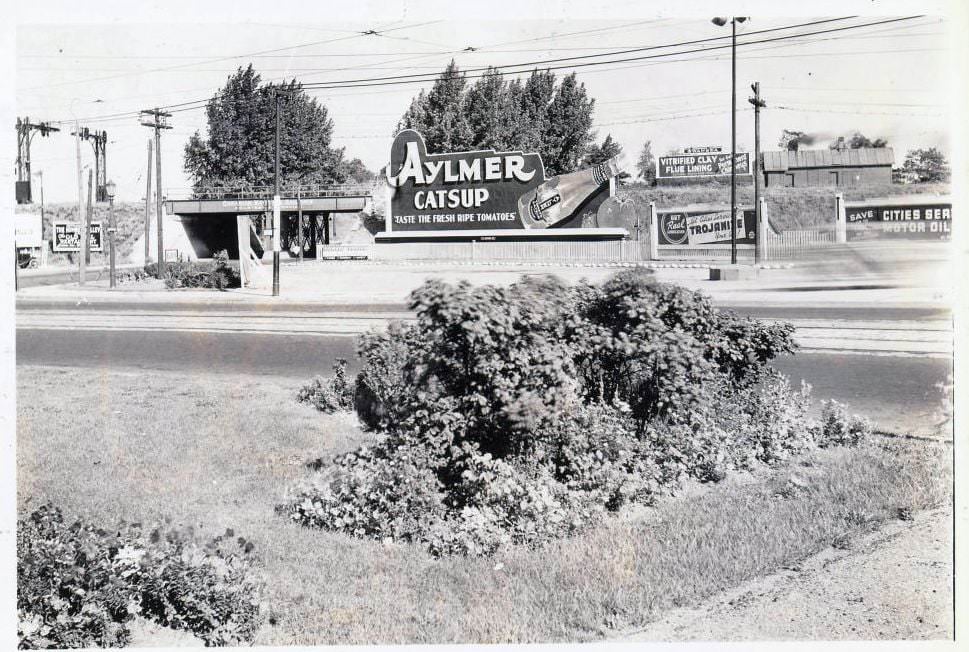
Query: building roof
x,y
779,161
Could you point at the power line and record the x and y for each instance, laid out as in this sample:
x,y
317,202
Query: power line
x,y
229,58
375,64
542,62
409,79
859,112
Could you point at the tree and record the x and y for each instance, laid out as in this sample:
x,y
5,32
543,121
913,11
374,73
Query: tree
x,y
926,165
238,150
441,115
599,153
536,97
857,140
354,171
537,116
791,140
490,113
569,128
647,164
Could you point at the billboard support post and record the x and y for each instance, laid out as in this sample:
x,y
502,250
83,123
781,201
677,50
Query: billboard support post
x,y
761,243
840,224
653,225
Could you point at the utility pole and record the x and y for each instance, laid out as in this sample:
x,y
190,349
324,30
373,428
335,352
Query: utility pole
x,y
147,205
159,121
87,221
720,21
733,144
758,105
99,141
80,207
276,199
25,134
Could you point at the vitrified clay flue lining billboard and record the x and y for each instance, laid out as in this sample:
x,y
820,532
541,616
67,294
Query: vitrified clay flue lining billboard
x,y
683,166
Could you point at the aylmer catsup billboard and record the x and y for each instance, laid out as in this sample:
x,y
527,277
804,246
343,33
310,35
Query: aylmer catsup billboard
x,y
486,190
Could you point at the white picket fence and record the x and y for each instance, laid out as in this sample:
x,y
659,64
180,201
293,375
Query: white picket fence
x,y
611,251
793,244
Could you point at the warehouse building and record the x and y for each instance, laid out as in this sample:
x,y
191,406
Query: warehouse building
x,y
828,167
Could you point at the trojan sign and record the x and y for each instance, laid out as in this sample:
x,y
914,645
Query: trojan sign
x,y
485,190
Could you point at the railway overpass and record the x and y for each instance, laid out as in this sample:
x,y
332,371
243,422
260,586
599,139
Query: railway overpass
x,y
207,220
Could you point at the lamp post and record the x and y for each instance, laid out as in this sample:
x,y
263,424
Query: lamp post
x,y
720,21
276,199
109,189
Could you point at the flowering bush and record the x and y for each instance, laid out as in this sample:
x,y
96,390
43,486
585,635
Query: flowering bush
x,y
329,394
80,586
514,415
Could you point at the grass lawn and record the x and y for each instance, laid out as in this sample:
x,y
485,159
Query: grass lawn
x,y
217,452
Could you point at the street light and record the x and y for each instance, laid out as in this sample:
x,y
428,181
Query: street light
x,y
109,189
720,21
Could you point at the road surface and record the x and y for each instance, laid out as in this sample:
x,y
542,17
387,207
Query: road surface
x,y
899,392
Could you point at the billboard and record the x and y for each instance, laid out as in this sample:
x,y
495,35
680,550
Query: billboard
x,y
28,230
485,189
930,221
67,237
710,164
698,228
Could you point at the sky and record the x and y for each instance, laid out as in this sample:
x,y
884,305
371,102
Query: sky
x,y
889,81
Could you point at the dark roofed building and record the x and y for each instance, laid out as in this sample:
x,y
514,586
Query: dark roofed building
x,y
828,167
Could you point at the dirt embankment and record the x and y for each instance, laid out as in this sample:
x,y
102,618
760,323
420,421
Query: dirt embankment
x,y
892,584
788,208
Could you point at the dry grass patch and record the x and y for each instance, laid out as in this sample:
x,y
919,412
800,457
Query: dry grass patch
x,y
217,452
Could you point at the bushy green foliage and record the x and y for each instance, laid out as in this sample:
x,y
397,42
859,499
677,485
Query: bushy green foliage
x,y
79,585
514,415
838,428
553,119
332,394
217,275
238,146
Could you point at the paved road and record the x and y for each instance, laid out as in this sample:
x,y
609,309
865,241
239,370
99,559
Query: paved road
x,y
884,331
899,392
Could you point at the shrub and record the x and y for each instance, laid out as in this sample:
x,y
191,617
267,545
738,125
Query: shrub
x,y
520,414
79,585
329,394
218,274
388,359
838,428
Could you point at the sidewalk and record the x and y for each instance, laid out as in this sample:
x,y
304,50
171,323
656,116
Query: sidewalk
x,y
355,283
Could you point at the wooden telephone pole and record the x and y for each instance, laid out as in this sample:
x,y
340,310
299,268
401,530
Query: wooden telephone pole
x,y
758,105
158,121
147,205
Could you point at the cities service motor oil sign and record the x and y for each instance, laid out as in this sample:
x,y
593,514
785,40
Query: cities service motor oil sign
x,y
485,189
899,222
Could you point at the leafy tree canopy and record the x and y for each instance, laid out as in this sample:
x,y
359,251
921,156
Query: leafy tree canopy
x,y
857,140
537,115
927,165
646,165
238,149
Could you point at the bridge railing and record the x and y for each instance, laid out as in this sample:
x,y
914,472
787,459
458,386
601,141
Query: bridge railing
x,y
267,192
